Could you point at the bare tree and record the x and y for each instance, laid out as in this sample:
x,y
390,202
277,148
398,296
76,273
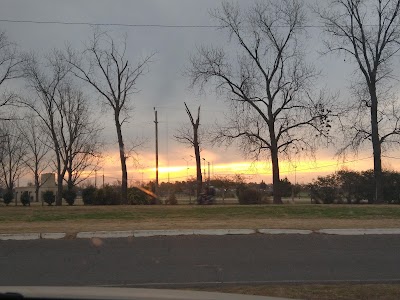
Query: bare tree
x,y
192,137
368,32
10,68
114,78
269,86
46,81
80,137
64,114
12,154
37,158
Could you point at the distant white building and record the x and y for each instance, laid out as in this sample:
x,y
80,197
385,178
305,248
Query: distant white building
x,y
47,183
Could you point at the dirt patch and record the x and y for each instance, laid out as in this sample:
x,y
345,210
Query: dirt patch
x,y
73,226
317,291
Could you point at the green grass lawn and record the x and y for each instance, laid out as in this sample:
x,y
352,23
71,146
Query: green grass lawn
x,y
217,212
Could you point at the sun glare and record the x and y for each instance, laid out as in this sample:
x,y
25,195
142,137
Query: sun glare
x,y
179,170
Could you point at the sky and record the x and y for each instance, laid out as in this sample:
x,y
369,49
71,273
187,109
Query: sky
x,y
165,87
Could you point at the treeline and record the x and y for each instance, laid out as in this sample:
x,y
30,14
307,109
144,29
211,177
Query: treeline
x,y
354,187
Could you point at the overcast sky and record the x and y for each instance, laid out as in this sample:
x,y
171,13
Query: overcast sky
x,y
164,87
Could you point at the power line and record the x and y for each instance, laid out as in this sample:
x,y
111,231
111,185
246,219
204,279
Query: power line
x,y
390,157
107,24
333,165
149,25
141,25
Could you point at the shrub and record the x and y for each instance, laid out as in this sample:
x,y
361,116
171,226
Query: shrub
x,y
138,197
25,198
249,196
108,195
391,187
89,195
286,187
69,196
8,197
171,200
325,190
49,197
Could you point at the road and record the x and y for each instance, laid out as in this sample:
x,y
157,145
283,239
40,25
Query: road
x,y
197,260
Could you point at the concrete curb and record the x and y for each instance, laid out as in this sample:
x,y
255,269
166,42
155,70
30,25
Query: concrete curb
x,y
284,231
360,231
53,235
180,232
169,232
104,234
19,236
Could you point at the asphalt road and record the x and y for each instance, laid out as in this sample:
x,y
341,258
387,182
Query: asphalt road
x,y
197,260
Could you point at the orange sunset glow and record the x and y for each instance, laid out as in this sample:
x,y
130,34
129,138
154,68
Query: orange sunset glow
x,y
179,169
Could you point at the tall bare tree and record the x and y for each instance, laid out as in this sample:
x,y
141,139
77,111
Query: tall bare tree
x,y
368,33
37,158
108,70
80,136
269,86
191,136
10,68
45,78
64,114
12,154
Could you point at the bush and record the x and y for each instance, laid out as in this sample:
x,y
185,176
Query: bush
x,y
108,195
391,187
89,195
69,196
325,190
286,187
249,196
49,197
25,198
171,200
138,197
8,197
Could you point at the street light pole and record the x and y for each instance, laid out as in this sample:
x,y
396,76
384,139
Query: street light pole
x,y
187,168
208,172
294,185
208,164
156,125
187,179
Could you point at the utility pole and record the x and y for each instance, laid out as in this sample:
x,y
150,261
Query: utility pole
x,y
294,185
156,125
95,178
208,163
187,178
187,168
103,178
204,168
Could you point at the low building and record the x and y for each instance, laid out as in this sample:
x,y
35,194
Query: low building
x,y
47,183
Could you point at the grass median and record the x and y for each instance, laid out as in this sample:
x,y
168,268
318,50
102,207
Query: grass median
x,y
303,216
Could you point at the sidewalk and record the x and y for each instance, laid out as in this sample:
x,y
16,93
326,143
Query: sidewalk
x,y
180,232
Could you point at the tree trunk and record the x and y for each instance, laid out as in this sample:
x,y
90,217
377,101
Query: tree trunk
x,y
124,182
70,183
198,165
276,182
59,182
376,145
37,185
